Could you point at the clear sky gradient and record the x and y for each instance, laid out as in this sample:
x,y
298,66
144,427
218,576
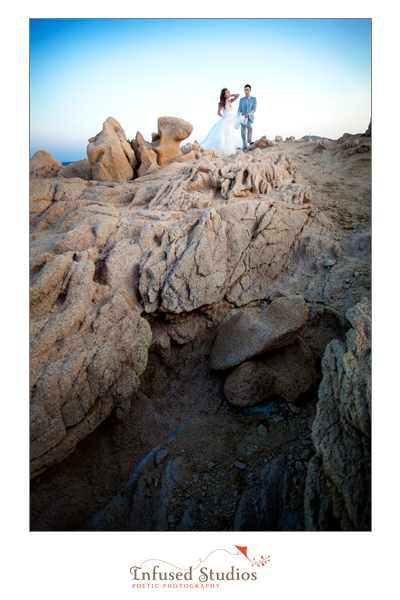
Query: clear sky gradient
x,y
310,76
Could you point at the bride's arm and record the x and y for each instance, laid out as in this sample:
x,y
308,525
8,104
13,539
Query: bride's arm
x,y
219,110
234,97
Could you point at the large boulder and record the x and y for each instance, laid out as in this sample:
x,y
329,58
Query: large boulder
x,y
147,160
80,168
255,331
42,158
233,249
86,358
338,489
171,132
110,155
288,372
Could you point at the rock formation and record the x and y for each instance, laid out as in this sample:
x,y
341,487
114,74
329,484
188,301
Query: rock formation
x,y
80,168
110,155
200,291
288,372
338,491
42,158
171,132
253,332
165,145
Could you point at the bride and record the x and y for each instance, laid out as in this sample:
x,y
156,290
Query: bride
x,y
221,136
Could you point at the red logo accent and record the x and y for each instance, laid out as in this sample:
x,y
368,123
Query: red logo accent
x,y
259,563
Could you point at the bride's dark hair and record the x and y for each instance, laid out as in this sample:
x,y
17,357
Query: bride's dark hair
x,y
222,99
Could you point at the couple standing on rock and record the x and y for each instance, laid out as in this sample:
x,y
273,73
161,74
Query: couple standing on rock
x,y
221,136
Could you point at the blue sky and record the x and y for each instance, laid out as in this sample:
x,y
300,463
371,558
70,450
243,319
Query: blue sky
x,y
310,76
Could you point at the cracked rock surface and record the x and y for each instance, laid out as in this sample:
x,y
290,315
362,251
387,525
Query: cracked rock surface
x,y
179,299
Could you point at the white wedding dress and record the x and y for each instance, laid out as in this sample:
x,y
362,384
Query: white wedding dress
x,y
221,137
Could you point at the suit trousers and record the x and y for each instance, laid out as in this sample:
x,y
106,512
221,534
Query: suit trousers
x,y
247,131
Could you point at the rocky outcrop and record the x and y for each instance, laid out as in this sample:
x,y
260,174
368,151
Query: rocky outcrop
x,y
88,350
80,168
147,159
141,272
111,157
256,331
289,372
234,249
338,491
196,148
42,158
171,132
43,165
165,145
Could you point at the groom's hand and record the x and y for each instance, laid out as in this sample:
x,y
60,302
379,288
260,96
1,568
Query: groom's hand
x,y
246,116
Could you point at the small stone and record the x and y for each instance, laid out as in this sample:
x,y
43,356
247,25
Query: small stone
x,y
239,465
262,430
210,464
161,454
278,418
195,477
307,454
299,466
329,263
294,409
171,519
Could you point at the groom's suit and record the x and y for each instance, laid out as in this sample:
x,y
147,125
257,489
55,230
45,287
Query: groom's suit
x,y
247,108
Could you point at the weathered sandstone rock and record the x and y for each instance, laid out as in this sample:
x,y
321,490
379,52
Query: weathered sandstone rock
x,y
110,156
147,160
237,248
254,332
288,372
262,143
186,148
183,237
80,168
85,359
47,172
137,143
42,158
171,132
338,490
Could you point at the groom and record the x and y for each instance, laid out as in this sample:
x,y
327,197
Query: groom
x,y
247,108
